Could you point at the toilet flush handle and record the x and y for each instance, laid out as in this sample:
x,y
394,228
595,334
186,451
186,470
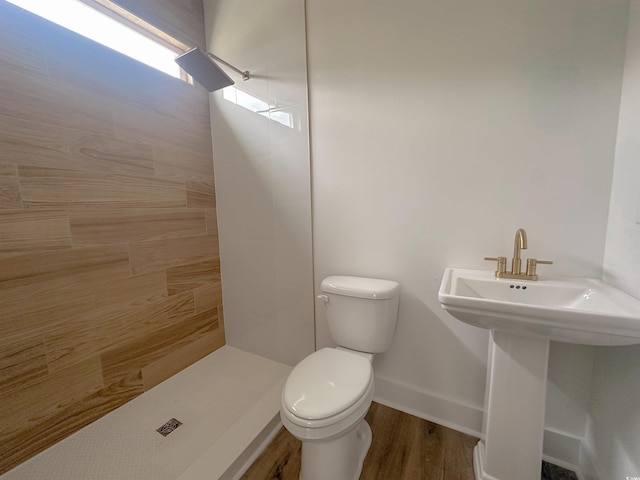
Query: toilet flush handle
x,y
324,298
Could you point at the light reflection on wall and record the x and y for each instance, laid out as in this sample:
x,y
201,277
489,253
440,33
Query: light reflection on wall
x,y
100,27
257,105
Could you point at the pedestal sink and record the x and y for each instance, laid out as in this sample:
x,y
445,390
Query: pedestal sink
x,y
523,317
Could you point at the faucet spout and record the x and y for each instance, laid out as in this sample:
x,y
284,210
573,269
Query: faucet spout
x,y
519,243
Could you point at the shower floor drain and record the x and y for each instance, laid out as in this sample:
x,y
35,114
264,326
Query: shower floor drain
x,y
168,427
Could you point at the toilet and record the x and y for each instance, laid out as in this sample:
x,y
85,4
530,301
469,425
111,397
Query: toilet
x,y
327,394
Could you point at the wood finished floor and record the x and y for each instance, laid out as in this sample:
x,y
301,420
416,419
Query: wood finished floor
x,y
404,447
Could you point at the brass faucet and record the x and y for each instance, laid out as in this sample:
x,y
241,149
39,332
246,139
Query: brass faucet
x,y
519,244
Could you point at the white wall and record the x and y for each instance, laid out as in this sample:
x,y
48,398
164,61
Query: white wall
x,y
437,129
263,177
613,439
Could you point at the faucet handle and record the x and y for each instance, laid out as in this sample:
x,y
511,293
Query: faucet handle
x,y
532,263
502,264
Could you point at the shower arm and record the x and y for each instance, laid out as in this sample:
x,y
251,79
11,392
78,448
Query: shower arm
x,y
245,74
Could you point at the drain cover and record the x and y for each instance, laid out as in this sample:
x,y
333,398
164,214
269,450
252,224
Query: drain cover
x,y
168,427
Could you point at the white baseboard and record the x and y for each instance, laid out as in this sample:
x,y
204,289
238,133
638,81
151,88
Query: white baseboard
x,y
560,448
587,465
443,411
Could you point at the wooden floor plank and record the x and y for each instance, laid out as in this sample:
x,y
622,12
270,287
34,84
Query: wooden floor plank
x,y
281,461
404,447
458,450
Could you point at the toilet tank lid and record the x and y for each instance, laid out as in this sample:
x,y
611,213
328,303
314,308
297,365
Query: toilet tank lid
x,y
372,288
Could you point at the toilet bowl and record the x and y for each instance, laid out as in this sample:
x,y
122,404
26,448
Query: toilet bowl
x,y
324,402
328,394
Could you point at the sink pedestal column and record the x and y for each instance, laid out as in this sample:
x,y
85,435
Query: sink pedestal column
x,y
514,409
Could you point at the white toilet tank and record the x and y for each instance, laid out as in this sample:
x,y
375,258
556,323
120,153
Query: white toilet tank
x,y
361,312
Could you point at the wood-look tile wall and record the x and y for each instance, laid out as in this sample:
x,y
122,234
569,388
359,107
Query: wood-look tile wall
x,y
109,265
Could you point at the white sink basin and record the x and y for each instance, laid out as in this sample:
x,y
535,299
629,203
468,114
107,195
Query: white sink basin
x,y
565,309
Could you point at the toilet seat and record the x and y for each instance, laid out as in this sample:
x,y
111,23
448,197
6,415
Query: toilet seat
x,y
326,383
348,414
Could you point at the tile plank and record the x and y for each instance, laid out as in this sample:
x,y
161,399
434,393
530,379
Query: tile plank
x,y
22,364
53,267
22,232
212,220
130,358
200,194
9,187
31,143
36,300
49,187
220,310
192,276
25,408
163,368
208,296
179,164
19,51
21,446
95,153
160,254
141,124
44,100
82,337
105,227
